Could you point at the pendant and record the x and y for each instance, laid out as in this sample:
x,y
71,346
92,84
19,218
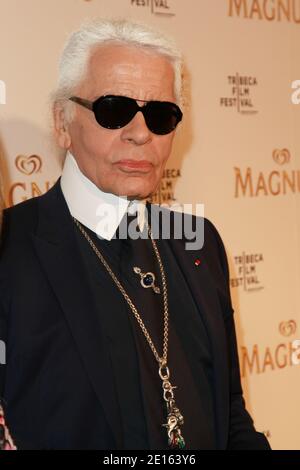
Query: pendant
x,y
174,417
147,279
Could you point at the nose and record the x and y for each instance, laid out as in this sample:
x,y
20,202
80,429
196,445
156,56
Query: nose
x,y
136,131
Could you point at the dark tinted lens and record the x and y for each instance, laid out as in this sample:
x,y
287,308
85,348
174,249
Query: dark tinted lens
x,y
114,112
162,117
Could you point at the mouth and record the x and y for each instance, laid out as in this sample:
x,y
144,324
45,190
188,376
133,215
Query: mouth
x,y
142,166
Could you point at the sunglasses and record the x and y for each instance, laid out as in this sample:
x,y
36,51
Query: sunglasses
x,y
114,112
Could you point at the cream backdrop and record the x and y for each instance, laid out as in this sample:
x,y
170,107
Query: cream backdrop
x,y
237,151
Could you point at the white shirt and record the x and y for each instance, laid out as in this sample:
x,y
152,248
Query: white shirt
x,y
101,212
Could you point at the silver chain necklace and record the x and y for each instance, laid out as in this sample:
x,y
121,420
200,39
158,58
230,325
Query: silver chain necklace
x,y
174,416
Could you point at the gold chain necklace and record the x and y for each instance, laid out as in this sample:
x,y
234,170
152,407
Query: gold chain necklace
x,y
174,416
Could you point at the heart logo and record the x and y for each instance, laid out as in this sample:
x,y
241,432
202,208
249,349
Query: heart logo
x,y
28,165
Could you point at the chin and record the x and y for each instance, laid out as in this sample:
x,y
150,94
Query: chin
x,y
137,195
138,192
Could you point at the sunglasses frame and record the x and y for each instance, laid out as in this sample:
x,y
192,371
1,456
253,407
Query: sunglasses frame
x,y
91,105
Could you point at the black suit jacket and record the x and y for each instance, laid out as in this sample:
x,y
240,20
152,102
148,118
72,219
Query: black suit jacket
x,y
64,377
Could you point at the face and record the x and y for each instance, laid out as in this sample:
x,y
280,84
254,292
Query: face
x,y
127,161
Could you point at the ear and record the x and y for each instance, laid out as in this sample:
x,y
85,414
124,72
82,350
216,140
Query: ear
x,y
60,126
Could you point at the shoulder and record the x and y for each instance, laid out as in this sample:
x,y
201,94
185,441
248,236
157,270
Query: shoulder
x,y
23,217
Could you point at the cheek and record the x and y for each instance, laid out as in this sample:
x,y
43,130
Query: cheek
x,y
95,141
164,147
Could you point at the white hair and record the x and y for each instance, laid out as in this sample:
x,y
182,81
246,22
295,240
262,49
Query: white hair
x,y
80,45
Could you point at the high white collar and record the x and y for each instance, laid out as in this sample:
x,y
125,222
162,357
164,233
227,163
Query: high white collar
x,y
99,211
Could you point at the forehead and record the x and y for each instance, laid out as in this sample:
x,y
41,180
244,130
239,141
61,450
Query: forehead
x,y
129,70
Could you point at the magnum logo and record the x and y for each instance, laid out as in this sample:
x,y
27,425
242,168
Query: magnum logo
x,y
258,359
269,10
277,182
22,190
29,165
240,94
287,328
281,156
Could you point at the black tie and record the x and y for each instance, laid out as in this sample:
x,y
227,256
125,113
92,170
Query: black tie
x,y
140,253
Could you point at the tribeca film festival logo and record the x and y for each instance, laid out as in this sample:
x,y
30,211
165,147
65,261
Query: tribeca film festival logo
x,y
267,10
240,97
21,191
260,359
2,92
277,182
247,275
157,7
166,190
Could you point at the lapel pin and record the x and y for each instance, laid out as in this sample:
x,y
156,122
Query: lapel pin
x,y
197,262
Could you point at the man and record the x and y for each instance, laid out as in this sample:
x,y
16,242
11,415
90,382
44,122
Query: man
x,y
113,342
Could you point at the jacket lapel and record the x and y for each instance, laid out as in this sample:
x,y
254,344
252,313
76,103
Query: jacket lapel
x,y
56,248
204,291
